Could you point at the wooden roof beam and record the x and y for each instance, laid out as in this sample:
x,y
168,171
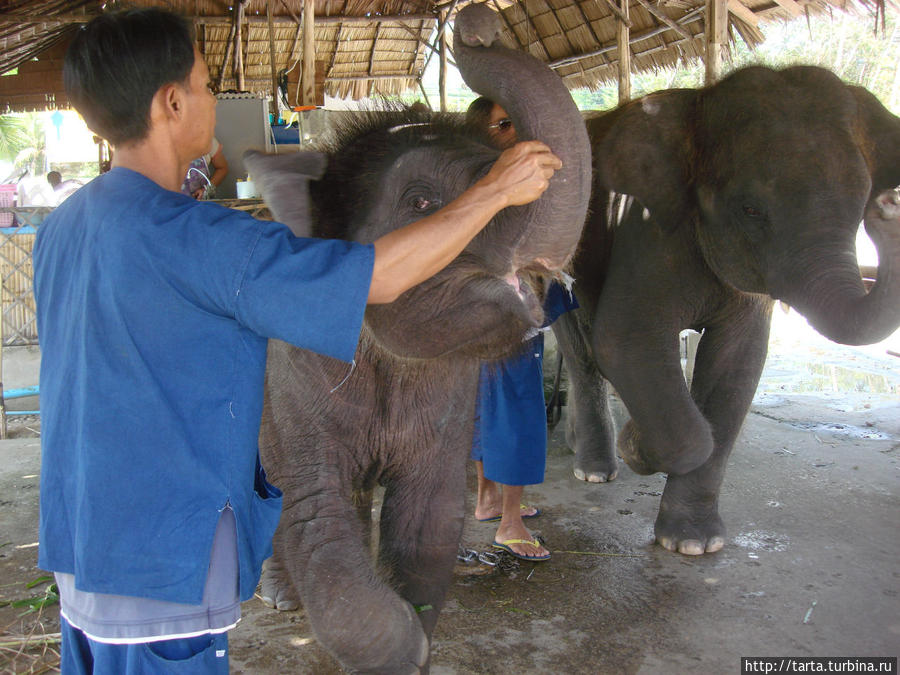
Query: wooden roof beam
x,y
609,49
744,13
792,7
509,27
623,48
372,50
587,24
441,33
417,35
11,18
308,66
569,60
660,16
623,17
362,78
716,38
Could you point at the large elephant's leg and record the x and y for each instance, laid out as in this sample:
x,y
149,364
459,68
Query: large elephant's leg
x,y
729,362
421,525
667,432
589,426
655,286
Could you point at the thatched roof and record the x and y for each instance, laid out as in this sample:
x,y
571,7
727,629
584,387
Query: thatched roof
x,y
365,48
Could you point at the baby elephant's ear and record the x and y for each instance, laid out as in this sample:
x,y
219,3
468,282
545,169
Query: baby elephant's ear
x,y
283,182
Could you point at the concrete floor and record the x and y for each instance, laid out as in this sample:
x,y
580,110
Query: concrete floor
x,y
810,568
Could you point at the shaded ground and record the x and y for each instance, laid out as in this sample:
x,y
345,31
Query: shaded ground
x,y
810,568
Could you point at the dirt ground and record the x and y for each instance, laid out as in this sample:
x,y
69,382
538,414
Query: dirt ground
x,y
810,567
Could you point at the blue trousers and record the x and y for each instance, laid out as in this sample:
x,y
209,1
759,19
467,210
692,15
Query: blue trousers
x,y
510,418
202,655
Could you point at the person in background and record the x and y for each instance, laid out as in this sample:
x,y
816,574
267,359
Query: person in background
x,y
206,173
54,178
153,312
483,113
61,188
510,443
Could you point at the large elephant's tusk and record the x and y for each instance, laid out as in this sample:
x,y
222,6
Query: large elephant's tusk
x,y
869,274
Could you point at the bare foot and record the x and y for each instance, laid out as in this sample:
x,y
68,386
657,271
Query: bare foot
x,y
490,513
520,542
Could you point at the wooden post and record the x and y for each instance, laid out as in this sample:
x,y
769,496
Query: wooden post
x,y
623,37
308,71
442,73
274,110
228,47
716,37
238,51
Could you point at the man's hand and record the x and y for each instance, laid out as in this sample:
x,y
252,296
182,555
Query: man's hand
x,y
408,256
522,172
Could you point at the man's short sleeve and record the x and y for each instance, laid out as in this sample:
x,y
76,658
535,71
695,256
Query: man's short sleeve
x,y
311,293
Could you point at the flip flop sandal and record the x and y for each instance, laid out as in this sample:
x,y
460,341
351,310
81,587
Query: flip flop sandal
x,y
505,546
495,519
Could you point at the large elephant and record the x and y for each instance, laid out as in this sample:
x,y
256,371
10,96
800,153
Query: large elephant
x,y
743,192
402,416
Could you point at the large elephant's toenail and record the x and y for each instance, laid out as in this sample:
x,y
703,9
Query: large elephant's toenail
x,y
715,544
691,547
667,543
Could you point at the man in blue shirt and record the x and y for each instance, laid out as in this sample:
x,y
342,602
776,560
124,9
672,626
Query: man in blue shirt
x,y
153,312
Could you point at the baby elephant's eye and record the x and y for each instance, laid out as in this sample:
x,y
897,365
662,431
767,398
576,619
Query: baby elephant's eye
x,y
752,212
423,203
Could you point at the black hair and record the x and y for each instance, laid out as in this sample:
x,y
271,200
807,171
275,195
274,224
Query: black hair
x,y
479,111
118,61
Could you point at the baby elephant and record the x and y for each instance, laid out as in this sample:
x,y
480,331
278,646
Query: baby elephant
x,y
401,415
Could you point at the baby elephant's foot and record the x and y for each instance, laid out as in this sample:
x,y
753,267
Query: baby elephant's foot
x,y
392,644
276,589
682,532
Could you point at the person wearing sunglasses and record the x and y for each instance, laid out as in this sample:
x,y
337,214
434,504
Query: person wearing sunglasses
x,y
510,442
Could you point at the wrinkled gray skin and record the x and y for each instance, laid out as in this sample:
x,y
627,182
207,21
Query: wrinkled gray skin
x,y
403,416
747,191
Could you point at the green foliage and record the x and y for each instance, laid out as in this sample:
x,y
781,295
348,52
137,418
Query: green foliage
x,y
13,136
22,140
49,597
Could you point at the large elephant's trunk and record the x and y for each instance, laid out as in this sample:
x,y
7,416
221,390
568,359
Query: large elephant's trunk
x,y
836,303
541,108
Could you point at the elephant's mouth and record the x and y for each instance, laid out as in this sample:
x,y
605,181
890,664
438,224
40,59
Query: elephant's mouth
x,y
528,284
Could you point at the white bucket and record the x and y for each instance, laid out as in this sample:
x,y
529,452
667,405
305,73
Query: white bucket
x,y
246,189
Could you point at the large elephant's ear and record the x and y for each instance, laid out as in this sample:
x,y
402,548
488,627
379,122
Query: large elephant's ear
x,y
879,137
643,148
283,182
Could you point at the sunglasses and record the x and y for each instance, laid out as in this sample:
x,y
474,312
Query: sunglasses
x,y
503,125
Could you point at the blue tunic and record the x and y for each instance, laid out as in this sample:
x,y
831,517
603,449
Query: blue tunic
x,y
153,313
510,415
